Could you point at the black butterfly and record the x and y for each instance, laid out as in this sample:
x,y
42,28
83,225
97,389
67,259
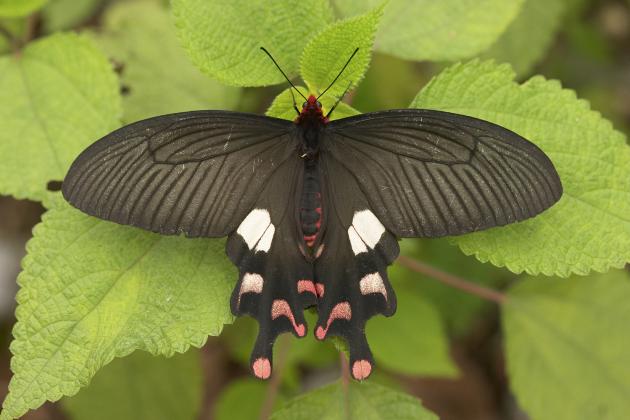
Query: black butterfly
x,y
313,208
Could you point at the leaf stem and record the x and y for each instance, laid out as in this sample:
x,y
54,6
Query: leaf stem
x,y
284,344
345,369
5,33
453,280
32,25
9,37
345,381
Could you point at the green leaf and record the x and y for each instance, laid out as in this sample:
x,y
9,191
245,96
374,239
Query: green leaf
x,y
327,53
93,290
141,386
567,346
364,401
458,309
159,76
56,98
522,47
243,400
19,8
389,83
412,341
437,30
15,29
589,228
59,15
223,38
282,106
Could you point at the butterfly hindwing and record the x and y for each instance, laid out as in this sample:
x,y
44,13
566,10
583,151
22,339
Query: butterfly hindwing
x,y
196,173
430,173
351,272
275,280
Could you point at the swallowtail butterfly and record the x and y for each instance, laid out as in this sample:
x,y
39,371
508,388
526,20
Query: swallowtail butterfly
x,y
312,208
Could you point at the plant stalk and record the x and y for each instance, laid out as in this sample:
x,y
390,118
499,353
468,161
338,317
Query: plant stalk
x,y
453,280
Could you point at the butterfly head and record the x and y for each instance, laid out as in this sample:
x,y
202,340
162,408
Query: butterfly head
x,y
312,112
312,106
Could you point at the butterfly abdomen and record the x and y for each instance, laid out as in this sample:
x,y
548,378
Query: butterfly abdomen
x,y
311,203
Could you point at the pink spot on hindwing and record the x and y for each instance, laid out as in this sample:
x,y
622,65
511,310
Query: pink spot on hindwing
x,y
341,310
279,308
320,289
306,286
262,368
361,369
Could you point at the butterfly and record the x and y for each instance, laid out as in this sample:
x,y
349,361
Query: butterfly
x,y
312,208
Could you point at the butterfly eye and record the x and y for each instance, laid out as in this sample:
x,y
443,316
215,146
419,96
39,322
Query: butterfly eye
x,y
319,104
304,105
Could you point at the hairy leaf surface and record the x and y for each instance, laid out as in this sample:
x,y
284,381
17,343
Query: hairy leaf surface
x,y
93,290
589,228
326,54
366,401
155,71
56,98
223,38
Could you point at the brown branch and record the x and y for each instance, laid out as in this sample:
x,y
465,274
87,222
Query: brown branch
x,y
345,369
283,345
345,381
452,280
32,26
6,33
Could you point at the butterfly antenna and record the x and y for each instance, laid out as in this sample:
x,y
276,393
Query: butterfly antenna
x,y
294,104
338,100
340,73
285,76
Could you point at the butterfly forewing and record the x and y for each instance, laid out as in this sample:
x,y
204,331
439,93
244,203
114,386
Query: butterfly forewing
x,y
430,173
197,173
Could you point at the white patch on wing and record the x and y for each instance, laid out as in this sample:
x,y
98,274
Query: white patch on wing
x,y
319,251
368,227
252,283
254,226
265,242
373,283
355,241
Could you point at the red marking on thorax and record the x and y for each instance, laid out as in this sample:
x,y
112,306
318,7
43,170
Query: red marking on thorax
x,y
311,112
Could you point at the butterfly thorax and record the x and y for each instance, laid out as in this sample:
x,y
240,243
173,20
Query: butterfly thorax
x,y
311,121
